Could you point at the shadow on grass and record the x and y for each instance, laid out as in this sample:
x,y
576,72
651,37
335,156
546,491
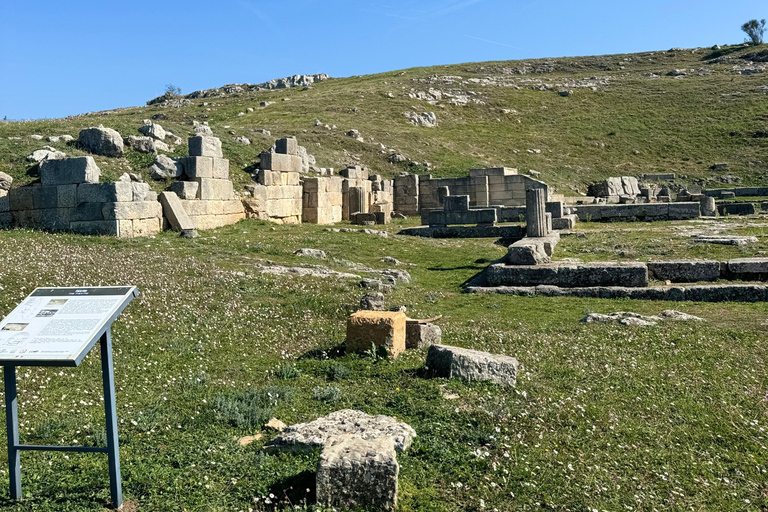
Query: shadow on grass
x,y
321,354
722,52
296,490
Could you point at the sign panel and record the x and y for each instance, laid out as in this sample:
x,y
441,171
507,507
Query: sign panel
x,y
58,326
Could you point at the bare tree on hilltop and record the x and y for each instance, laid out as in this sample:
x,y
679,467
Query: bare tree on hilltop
x,y
755,30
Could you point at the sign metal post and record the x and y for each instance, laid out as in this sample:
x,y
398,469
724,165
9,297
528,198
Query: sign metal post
x,y
58,327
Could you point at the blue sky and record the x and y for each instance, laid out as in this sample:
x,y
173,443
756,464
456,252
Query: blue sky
x,y
61,58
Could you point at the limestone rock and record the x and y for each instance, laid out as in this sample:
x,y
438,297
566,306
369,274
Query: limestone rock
x,y
165,167
311,253
622,317
426,119
421,335
141,144
462,363
671,314
347,422
45,154
245,141
5,181
153,130
372,302
358,473
396,158
202,128
276,424
101,141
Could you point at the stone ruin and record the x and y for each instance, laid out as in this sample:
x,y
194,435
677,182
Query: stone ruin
x,y
69,197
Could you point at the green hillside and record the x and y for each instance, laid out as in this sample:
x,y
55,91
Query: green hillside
x,y
625,116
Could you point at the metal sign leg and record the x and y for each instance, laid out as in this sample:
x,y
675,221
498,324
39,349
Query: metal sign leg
x,y
12,429
113,446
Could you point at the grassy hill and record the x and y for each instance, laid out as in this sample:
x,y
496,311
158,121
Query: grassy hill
x,y
625,116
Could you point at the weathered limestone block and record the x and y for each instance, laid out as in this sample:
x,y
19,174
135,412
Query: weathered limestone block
x,y
748,268
85,212
45,197
65,171
357,200
737,209
220,168
456,203
280,162
462,363
5,181
97,227
5,204
175,213
569,275
185,189
363,219
354,173
479,217
564,222
197,166
421,335
210,188
380,328
117,192
353,472
287,146
101,141
528,251
141,144
148,227
21,198
205,145
132,210
141,191
347,422
685,271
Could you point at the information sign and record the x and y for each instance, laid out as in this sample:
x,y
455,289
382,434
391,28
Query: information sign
x,y
58,327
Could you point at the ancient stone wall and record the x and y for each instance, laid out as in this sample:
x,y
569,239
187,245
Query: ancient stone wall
x,y
322,200
632,212
69,197
278,195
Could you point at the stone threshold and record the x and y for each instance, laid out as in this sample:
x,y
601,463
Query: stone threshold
x,y
695,293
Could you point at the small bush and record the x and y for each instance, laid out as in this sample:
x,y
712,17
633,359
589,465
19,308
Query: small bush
x,y
338,372
252,408
329,394
754,30
287,372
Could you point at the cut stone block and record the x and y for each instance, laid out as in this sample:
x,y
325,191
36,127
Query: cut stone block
x,y
569,275
198,166
21,198
564,222
174,212
347,422
185,189
748,267
354,473
205,145
118,192
462,363
445,218
99,227
287,146
421,335
529,251
221,169
217,189
456,203
735,209
279,162
685,271
132,210
65,171
380,328
141,191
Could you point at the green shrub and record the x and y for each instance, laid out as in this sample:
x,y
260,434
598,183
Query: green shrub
x,y
252,408
287,372
337,372
329,394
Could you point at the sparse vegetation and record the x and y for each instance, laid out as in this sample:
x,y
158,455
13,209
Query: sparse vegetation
x,y
754,30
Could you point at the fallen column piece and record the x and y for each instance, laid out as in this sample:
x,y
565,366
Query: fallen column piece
x,y
462,363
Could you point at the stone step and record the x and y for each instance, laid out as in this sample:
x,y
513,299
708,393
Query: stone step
x,y
569,275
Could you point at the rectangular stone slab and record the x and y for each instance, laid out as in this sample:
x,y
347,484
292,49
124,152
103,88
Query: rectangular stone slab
x,y
462,363
569,275
685,271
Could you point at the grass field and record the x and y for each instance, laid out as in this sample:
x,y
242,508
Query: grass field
x,y
604,417
638,120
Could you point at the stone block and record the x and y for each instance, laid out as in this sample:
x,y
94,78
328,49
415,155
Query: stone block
x,y
290,179
685,271
6,218
380,328
528,251
85,212
197,166
210,188
472,365
205,145
564,222
569,275
220,169
279,162
746,268
45,197
5,204
421,335
736,209
479,217
147,227
287,146
140,191
185,189
67,171
456,203
21,198
118,192
174,211
132,210
125,229
67,196
98,227
363,219
358,473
